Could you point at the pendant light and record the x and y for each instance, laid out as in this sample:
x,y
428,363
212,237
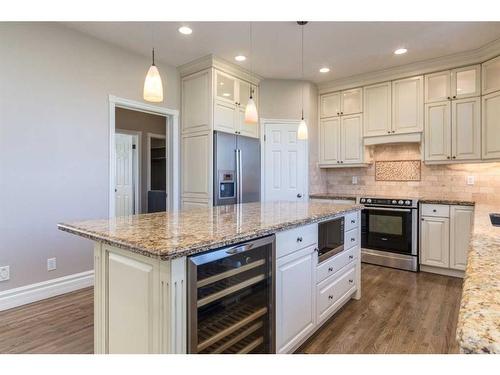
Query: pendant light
x,y
153,87
302,130
251,115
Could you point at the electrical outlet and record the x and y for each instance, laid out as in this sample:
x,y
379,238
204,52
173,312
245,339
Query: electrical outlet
x,y
354,180
4,273
51,264
470,180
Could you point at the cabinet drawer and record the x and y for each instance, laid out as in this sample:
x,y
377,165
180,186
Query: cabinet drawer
x,y
330,292
351,221
336,263
351,238
295,239
436,210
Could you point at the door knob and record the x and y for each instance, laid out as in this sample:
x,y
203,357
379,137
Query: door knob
x,y
299,195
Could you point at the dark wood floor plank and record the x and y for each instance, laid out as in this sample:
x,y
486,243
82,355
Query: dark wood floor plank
x,y
399,312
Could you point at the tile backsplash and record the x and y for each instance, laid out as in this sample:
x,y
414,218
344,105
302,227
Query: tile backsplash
x,y
440,181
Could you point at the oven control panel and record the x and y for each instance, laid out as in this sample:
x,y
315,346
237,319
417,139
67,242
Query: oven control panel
x,y
389,202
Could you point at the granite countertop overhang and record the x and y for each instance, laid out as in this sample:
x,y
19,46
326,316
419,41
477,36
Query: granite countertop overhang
x,y
478,326
169,235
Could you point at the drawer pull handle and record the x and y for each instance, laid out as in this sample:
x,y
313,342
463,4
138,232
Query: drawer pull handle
x,y
353,239
299,239
351,281
351,256
353,221
330,269
330,297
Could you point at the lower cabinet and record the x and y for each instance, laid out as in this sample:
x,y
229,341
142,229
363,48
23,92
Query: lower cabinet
x,y
295,298
308,294
445,233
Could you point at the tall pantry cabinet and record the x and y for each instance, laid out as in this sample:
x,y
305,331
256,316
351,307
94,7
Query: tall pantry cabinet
x,y
214,94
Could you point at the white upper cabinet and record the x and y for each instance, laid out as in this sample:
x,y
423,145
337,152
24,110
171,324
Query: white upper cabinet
x,y
491,126
352,101
330,105
437,131
329,137
466,82
453,84
491,76
466,129
377,110
437,86
407,105
351,144
231,98
341,103
225,87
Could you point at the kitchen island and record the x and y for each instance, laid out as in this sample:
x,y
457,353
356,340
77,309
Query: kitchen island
x,y
140,268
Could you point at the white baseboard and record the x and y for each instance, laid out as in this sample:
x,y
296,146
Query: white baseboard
x,y
45,289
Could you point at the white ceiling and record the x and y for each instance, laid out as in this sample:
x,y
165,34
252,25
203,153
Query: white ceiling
x,y
348,48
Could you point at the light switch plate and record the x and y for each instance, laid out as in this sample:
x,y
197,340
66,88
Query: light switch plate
x,y
51,264
4,273
354,180
470,180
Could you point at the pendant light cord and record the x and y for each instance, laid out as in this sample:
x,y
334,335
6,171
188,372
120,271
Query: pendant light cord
x,y
302,68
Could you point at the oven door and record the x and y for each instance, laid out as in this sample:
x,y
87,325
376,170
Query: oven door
x,y
388,229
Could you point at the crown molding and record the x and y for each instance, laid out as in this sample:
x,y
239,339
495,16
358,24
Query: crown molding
x,y
456,60
212,61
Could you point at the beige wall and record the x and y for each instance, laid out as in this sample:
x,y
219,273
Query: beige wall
x,y
445,181
54,145
282,99
144,123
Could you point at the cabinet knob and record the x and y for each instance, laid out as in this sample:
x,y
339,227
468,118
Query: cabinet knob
x,y
330,269
394,131
341,161
448,97
453,157
447,157
299,195
454,96
341,113
299,239
388,132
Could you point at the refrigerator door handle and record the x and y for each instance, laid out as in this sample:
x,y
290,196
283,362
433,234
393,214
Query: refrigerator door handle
x,y
240,177
238,171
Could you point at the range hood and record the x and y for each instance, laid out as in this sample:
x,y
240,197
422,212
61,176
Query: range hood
x,y
393,139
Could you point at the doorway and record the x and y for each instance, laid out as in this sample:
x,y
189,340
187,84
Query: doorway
x,y
284,162
144,158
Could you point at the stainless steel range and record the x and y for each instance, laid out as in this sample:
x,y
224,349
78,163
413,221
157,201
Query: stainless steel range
x,y
389,232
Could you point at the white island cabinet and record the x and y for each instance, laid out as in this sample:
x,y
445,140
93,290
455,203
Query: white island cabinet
x,y
308,293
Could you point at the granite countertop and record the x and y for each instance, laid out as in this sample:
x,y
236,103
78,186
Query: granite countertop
x,y
176,234
478,327
332,196
457,202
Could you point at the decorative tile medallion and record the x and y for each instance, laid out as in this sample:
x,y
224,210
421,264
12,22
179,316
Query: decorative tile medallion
x,y
397,170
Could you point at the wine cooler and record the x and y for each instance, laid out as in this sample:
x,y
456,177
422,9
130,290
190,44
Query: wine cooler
x,y
231,301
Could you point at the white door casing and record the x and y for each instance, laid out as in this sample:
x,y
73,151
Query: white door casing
x,y
284,162
124,178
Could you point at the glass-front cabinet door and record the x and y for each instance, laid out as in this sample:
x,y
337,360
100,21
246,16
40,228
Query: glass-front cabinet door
x,y
437,87
244,94
465,82
225,87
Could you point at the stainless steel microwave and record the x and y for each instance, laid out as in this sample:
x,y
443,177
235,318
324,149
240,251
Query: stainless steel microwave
x,y
330,238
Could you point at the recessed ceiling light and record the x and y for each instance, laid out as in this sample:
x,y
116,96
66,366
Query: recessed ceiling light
x,y
324,70
240,58
185,30
400,51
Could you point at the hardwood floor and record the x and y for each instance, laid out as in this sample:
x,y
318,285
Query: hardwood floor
x,y
399,312
62,324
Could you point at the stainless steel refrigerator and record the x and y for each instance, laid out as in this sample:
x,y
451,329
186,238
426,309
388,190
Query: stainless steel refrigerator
x,y
236,169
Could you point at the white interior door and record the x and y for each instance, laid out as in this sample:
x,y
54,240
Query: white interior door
x,y
285,163
124,188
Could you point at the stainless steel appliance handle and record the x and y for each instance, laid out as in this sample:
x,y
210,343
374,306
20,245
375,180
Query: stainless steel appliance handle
x,y
238,176
388,209
240,182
